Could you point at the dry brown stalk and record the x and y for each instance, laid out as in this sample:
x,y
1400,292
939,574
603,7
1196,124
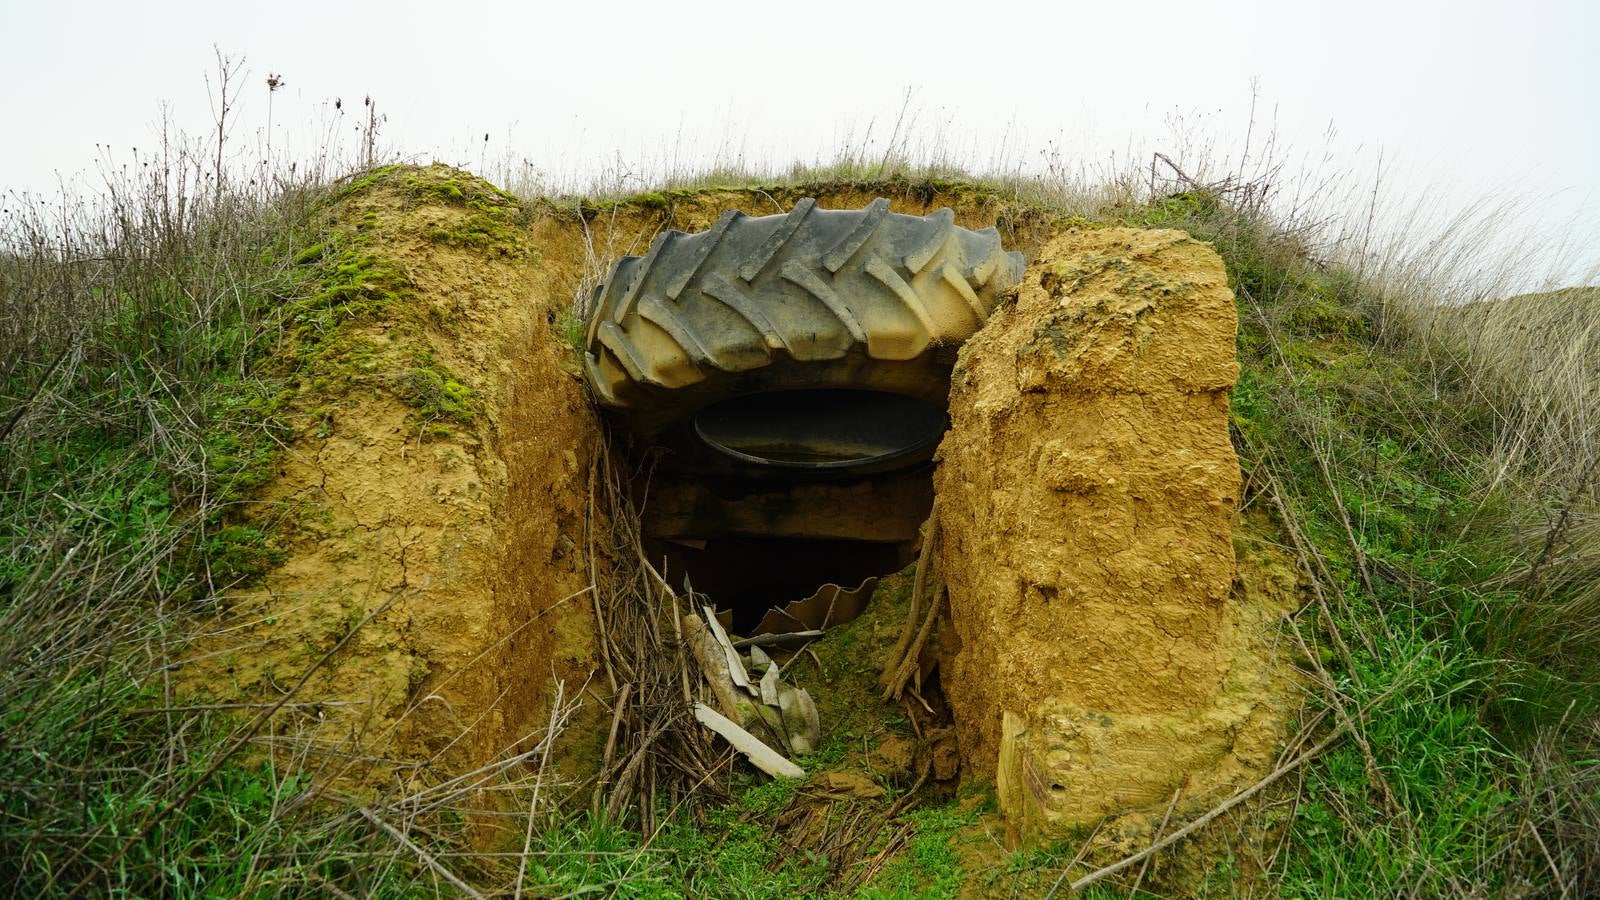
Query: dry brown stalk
x,y
1083,851
1237,798
1156,836
600,626
909,664
914,612
618,705
1215,811
1336,700
659,750
1577,494
424,856
538,782
1330,691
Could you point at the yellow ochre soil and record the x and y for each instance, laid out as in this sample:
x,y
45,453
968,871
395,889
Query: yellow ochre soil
x,y
1104,654
471,532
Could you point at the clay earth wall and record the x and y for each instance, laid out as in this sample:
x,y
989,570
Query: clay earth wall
x,y
1085,498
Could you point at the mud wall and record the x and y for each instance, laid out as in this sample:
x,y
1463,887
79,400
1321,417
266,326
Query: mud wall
x,y
1085,497
434,488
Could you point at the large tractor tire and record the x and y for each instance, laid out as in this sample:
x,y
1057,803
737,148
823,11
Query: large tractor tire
x,y
817,339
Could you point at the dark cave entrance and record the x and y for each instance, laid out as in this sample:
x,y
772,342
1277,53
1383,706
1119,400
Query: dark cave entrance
x,y
755,546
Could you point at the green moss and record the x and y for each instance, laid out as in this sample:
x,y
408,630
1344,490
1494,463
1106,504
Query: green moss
x,y
365,181
482,232
310,254
441,184
651,200
354,278
239,554
349,283
1175,210
249,462
445,317
437,395
448,191
248,428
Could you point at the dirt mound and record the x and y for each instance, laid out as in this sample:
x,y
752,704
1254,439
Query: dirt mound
x,y
433,496
1086,500
434,493
432,511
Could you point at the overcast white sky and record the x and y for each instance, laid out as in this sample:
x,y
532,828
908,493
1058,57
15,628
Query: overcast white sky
x,y
1471,98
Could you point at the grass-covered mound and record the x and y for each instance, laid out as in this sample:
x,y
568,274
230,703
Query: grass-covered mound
x,y
1432,466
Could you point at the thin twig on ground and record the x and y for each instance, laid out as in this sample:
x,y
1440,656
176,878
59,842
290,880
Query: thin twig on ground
x,y
424,856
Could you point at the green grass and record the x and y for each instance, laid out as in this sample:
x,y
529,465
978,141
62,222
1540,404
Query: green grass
x,y
573,329
1383,457
930,865
732,853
